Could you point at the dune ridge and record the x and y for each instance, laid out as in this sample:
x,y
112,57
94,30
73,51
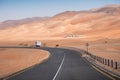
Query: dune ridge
x,y
94,24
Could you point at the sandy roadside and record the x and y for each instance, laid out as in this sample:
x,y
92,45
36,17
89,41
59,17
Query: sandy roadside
x,y
12,60
107,51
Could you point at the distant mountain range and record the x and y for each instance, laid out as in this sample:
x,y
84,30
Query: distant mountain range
x,y
9,23
94,24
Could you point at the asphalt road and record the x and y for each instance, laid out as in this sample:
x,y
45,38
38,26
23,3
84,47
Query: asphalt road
x,y
62,65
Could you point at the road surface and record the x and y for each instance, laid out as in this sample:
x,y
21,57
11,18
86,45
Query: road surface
x,y
63,64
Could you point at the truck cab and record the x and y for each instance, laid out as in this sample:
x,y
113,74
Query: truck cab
x,y
37,44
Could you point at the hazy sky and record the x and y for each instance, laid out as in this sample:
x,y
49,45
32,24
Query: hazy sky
x,y
18,9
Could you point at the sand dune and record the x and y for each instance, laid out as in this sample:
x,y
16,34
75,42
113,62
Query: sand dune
x,y
70,28
97,24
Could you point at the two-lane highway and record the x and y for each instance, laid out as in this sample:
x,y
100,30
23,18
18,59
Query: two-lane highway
x,y
63,64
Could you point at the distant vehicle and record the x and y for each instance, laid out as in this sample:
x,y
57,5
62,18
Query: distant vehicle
x,y
37,44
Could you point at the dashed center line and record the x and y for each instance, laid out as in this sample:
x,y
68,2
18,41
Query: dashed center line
x,y
59,68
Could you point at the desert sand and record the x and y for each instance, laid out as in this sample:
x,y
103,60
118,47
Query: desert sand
x,y
13,60
106,48
109,50
69,29
92,24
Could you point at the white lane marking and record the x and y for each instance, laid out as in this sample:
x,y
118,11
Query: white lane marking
x,y
59,68
18,73
103,73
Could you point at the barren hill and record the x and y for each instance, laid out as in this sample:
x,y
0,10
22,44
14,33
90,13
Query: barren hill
x,y
93,24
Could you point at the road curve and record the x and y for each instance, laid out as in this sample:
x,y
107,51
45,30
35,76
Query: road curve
x,y
63,64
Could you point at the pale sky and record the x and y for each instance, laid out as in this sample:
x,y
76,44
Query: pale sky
x,y
18,9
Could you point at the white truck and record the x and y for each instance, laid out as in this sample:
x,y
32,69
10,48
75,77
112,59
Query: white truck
x,y
37,44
